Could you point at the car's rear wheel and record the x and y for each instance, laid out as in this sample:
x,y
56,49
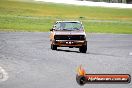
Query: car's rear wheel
x,y
83,49
53,47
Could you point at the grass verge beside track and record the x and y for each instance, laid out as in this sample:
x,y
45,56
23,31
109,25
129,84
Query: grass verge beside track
x,y
39,17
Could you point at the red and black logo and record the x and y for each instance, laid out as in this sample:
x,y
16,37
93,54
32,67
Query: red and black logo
x,y
83,78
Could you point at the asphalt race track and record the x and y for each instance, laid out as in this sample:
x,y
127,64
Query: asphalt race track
x,y
26,60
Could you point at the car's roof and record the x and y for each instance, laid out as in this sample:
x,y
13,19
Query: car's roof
x,y
68,21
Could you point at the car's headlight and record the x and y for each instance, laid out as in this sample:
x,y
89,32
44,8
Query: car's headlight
x,y
82,37
57,37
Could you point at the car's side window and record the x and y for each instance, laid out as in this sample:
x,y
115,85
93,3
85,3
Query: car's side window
x,y
57,26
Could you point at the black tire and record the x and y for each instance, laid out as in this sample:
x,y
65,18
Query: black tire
x,y
83,49
53,47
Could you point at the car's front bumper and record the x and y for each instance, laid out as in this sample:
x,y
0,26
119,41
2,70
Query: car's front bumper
x,y
70,43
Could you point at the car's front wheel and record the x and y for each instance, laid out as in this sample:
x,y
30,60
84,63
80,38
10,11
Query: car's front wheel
x,y
53,47
83,49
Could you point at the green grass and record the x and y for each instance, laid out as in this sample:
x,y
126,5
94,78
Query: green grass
x,y
39,17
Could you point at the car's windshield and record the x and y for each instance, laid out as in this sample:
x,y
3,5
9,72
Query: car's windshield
x,y
70,26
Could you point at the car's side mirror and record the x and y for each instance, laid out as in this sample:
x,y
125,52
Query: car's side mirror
x,y
52,29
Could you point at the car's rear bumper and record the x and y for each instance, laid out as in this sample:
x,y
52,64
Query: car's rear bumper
x,y
69,43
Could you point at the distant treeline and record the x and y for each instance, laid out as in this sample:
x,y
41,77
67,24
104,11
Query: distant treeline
x,y
111,1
